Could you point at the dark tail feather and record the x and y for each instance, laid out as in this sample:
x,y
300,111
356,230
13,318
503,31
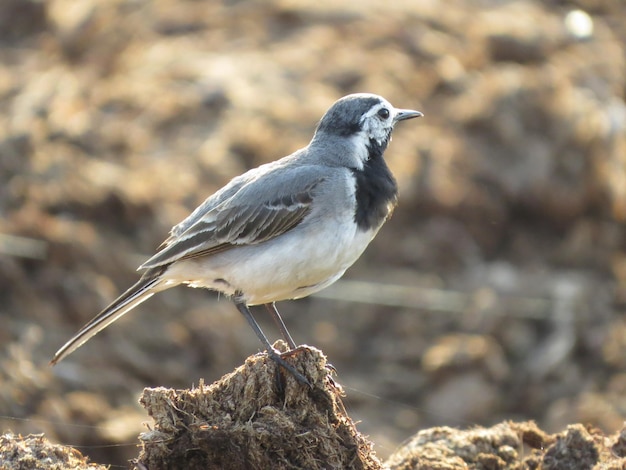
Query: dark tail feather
x,y
142,290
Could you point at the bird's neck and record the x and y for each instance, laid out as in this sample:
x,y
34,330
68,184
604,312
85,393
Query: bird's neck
x,y
376,189
376,148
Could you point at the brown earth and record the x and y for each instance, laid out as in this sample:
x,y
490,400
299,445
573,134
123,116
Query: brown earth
x,y
495,293
260,417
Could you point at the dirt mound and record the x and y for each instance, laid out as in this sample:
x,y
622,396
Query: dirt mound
x,y
259,416
35,452
256,417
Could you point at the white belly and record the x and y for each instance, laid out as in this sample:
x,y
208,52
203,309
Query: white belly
x,y
291,266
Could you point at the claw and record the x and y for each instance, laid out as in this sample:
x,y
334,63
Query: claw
x,y
278,359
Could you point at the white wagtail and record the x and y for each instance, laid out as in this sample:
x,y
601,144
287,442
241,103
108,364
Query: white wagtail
x,y
283,230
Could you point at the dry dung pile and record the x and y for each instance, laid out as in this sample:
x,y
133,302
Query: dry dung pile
x,y
259,417
35,452
256,417
511,446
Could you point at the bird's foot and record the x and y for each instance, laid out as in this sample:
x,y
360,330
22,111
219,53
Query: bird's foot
x,y
278,358
292,351
295,350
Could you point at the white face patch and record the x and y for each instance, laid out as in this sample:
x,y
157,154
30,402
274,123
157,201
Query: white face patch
x,y
377,124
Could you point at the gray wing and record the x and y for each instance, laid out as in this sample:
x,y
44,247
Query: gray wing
x,y
210,203
259,210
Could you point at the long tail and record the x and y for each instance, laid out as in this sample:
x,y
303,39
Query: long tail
x,y
145,288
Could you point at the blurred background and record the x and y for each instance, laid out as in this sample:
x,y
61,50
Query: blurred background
x,y
495,292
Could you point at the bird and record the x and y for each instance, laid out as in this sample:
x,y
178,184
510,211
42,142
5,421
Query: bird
x,y
283,230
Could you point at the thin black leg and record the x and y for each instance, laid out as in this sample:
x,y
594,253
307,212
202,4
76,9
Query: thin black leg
x,y
271,352
273,311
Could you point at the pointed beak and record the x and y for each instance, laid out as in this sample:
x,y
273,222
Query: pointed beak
x,y
404,114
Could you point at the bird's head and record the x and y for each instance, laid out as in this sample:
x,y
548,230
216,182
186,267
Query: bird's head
x,y
366,119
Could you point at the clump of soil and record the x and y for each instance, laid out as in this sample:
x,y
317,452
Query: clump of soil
x,y
256,417
510,446
35,452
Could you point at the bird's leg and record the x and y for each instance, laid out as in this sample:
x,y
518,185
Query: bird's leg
x,y
273,311
271,352
293,349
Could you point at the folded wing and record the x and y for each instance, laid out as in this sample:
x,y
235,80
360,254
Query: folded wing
x,y
240,220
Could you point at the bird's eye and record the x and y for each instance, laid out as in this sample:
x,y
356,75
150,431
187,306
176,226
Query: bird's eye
x,y
383,113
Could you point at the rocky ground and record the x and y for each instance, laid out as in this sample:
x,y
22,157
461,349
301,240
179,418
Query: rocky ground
x,y
495,293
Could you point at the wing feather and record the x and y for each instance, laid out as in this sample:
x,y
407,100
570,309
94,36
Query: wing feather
x,y
233,223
